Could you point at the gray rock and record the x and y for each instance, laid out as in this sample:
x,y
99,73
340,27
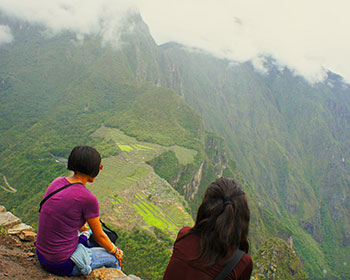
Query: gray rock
x,y
8,220
27,235
19,228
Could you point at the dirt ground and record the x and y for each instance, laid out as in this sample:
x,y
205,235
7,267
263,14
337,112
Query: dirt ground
x,y
18,261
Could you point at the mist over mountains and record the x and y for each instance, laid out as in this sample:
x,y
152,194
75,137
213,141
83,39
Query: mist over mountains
x,y
286,140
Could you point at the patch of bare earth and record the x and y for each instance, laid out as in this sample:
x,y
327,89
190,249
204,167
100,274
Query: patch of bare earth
x,y
18,261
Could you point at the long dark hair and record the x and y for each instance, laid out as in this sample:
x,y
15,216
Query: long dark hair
x,y
222,221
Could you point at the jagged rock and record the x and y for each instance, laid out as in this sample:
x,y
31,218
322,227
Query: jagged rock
x,y
27,236
2,209
8,220
19,228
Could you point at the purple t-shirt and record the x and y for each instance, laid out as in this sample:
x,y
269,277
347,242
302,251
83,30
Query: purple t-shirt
x,y
61,216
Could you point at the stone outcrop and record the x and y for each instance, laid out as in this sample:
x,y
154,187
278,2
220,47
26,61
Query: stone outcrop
x,y
14,226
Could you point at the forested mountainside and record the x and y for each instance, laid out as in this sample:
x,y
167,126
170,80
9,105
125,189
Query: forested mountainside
x,y
291,140
147,106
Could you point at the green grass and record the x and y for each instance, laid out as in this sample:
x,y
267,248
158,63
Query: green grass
x,y
125,148
185,156
152,215
142,147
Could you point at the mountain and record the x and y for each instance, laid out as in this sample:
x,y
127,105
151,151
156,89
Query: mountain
x,y
291,141
168,120
57,93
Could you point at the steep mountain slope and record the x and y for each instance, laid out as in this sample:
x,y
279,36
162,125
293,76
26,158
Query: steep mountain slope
x,y
288,141
57,92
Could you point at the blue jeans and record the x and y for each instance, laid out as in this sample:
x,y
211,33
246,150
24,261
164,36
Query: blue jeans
x,y
100,257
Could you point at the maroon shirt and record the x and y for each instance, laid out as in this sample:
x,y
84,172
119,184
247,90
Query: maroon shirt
x,y
181,264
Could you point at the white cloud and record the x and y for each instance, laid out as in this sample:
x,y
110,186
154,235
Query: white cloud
x,y
5,34
307,36
104,17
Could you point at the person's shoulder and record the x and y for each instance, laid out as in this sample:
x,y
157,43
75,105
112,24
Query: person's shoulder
x,y
247,261
246,258
244,268
86,192
183,231
59,181
87,195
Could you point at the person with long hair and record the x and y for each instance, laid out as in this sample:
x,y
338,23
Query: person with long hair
x,y
221,228
66,207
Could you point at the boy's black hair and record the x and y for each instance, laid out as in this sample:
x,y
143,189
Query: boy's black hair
x,y
84,159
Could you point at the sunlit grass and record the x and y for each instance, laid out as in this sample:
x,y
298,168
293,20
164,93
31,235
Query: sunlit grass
x,y
124,147
142,147
152,215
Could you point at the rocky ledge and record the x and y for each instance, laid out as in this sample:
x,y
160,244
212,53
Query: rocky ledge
x,y
18,259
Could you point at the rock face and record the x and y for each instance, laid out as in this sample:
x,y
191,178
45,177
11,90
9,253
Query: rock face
x,y
14,226
8,220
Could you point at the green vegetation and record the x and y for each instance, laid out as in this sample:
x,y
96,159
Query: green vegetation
x,y
153,215
174,124
288,141
184,156
276,260
125,148
129,186
146,255
167,166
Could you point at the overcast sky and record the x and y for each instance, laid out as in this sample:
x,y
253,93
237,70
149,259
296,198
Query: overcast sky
x,y
309,36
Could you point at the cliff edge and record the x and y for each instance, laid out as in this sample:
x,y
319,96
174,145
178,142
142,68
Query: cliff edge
x,y
18,259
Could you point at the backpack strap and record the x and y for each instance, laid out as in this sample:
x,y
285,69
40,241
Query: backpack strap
x,y
230,265
54,192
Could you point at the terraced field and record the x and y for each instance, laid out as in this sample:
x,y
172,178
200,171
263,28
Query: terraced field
x,y
131,194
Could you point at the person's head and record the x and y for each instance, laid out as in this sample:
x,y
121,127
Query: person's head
x,y
84,160
222,220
